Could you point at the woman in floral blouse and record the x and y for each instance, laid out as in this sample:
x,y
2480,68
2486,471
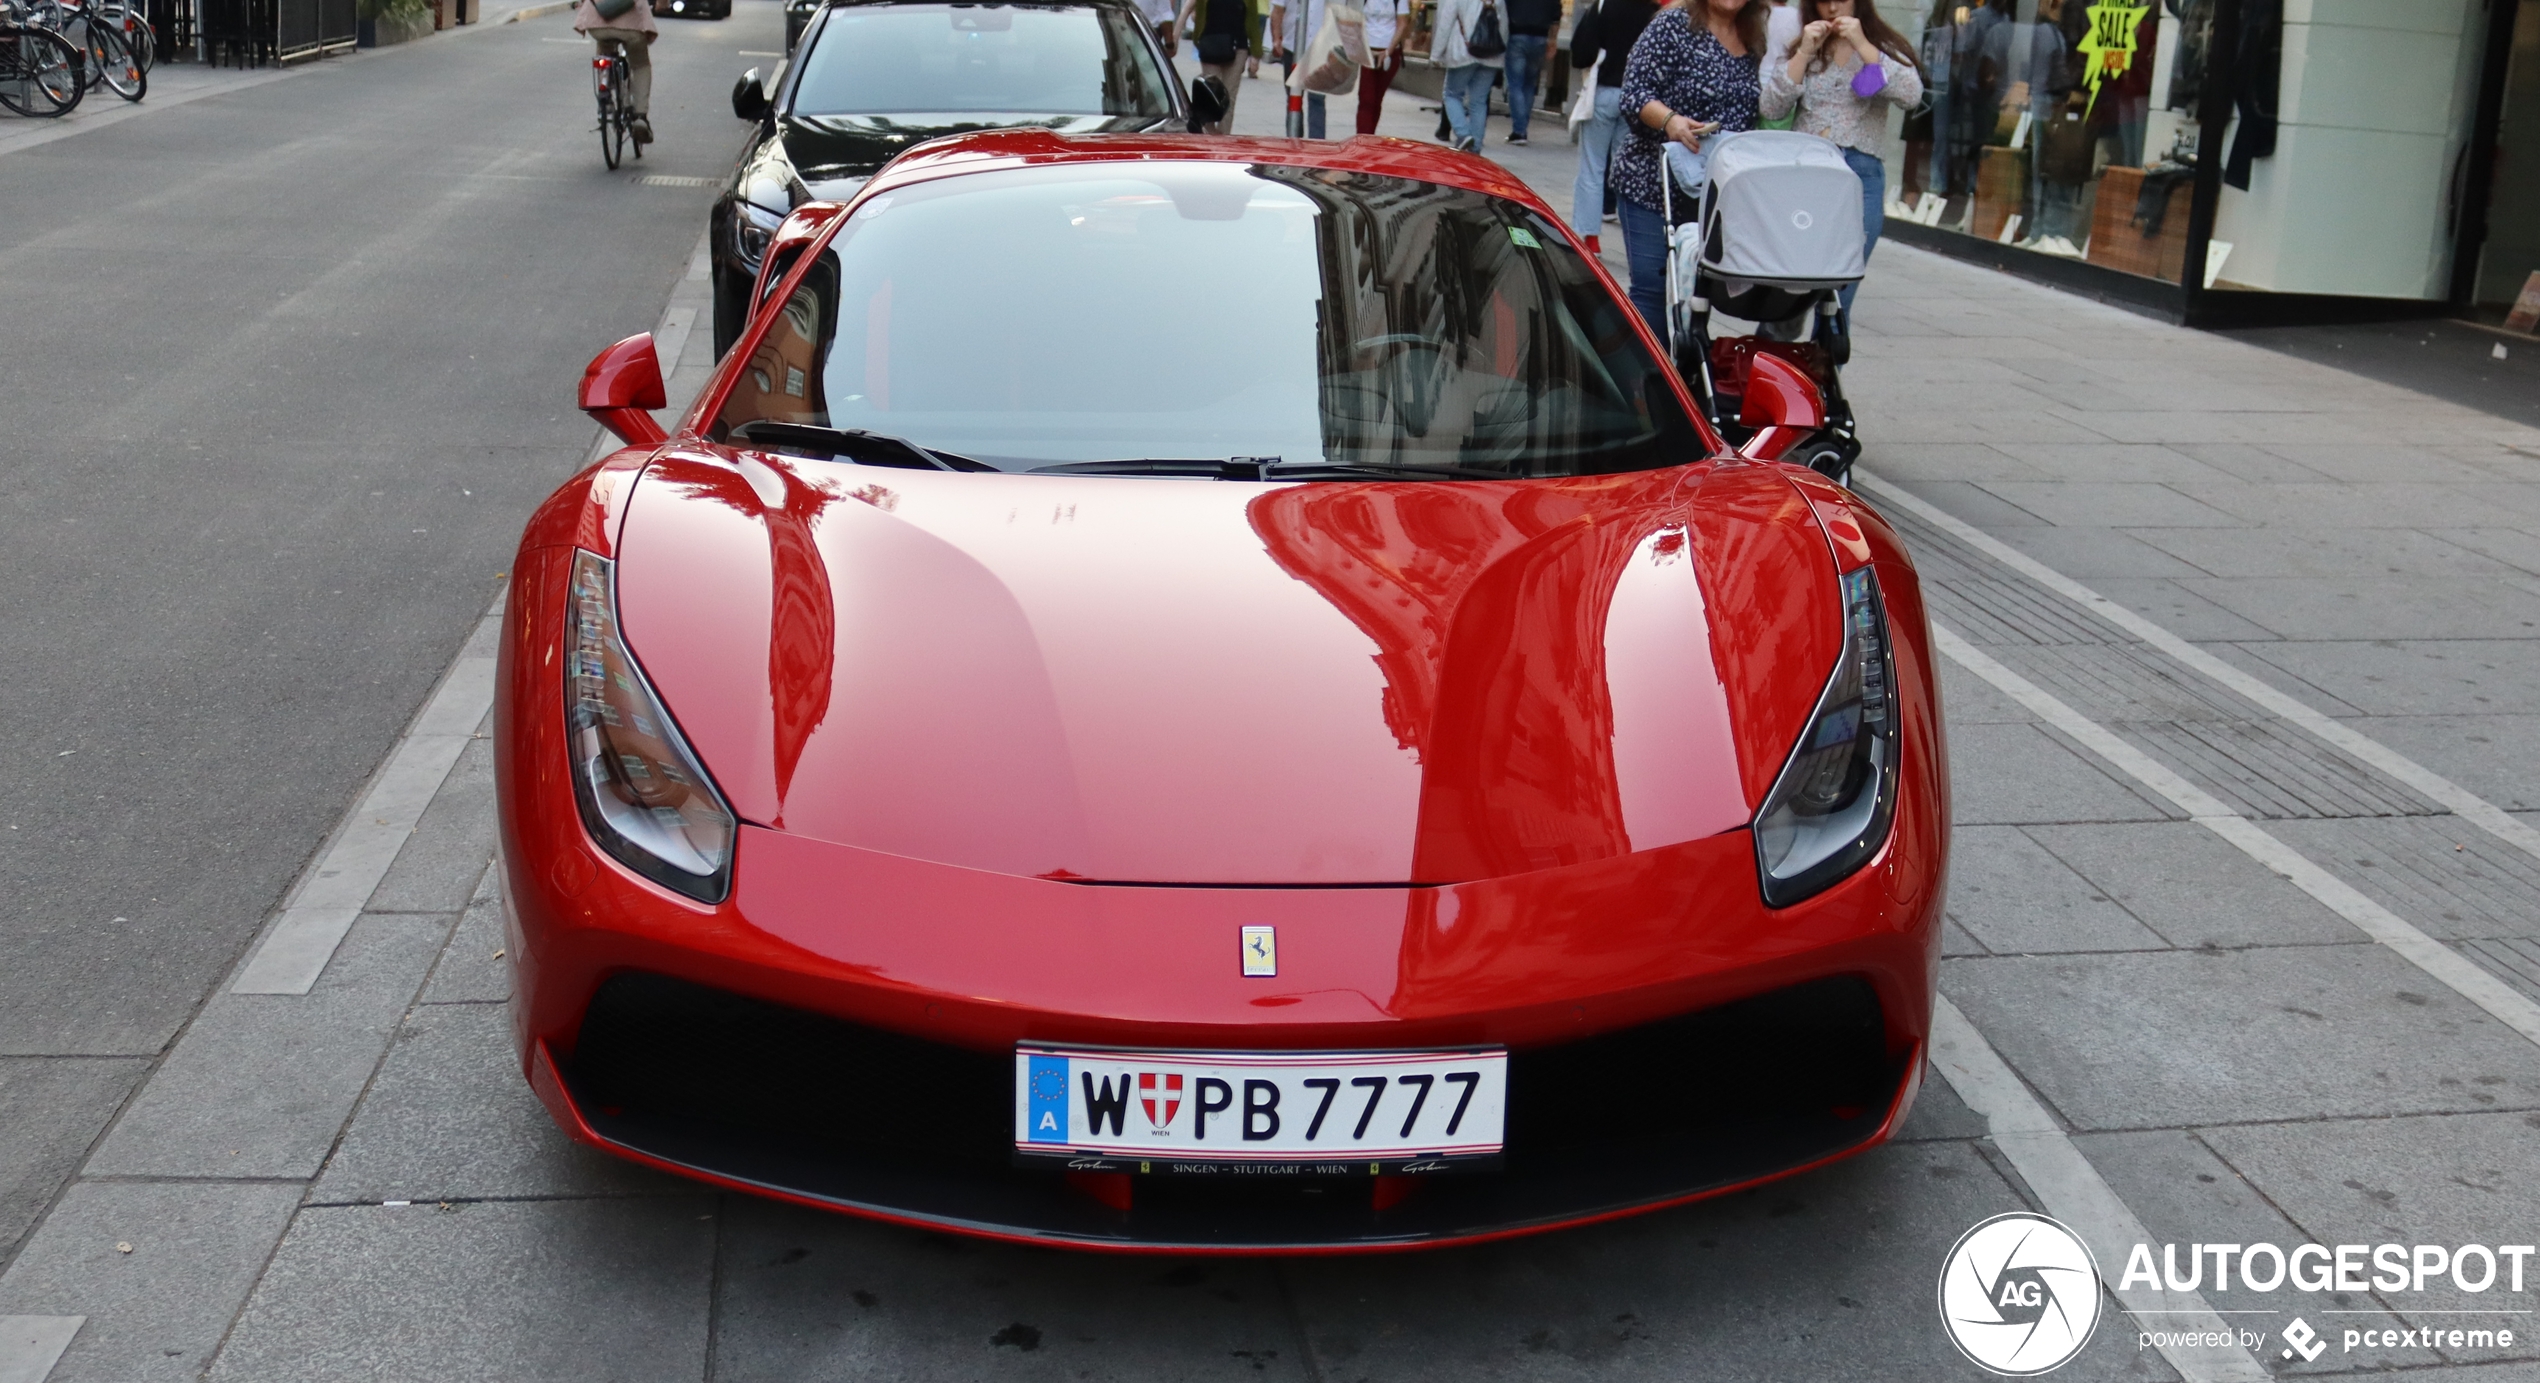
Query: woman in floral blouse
x,y
1847,63
1692,75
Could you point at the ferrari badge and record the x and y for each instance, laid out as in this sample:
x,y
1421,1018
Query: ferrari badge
x,y
1261,951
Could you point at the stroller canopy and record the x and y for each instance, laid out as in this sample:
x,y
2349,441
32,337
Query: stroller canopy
x,y
1784,209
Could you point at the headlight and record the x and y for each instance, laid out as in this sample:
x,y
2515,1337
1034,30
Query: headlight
x,y
1831,808
644,796
752,228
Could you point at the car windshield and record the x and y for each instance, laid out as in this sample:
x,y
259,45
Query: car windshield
x,y
980,59
1186,314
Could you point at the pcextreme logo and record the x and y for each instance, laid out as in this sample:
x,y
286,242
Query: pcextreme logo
x,y
2019,1294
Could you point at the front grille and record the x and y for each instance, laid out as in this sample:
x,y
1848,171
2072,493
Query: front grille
x,y
787,1100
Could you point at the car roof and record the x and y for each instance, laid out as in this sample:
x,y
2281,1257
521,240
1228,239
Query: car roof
x,y
1375,154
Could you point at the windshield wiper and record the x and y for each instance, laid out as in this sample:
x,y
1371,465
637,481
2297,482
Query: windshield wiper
x,y
1221,468
1264,468
866,448
1304,469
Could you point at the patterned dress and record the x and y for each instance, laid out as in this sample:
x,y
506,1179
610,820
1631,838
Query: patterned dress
x,y
1678,64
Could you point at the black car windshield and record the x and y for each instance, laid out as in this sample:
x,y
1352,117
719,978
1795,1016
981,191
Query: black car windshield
x,y
1188,313
902,59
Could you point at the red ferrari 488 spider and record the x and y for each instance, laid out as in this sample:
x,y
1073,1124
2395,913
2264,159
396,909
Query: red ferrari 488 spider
x,y
1212,695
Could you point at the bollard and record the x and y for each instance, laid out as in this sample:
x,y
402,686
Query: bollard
x,y
1296,115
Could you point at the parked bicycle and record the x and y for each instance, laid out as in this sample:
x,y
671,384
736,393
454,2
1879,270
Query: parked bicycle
x,y
101,35
617,104
42,73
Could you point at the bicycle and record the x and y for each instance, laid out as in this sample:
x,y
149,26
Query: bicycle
x,y
617,106
111,61
42,74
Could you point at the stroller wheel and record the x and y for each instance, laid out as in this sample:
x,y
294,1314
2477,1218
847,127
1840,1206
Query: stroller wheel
x,y
1827,459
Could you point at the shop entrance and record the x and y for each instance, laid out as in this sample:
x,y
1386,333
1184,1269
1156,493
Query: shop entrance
x,y
2512,249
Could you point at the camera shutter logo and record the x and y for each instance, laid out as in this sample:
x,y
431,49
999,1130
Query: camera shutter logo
x,y
1802,220
2019,1295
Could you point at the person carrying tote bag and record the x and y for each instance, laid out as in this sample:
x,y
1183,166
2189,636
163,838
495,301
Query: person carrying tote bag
x,y
1470,47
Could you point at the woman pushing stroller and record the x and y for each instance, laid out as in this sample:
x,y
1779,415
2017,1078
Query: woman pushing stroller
x,y
1692,75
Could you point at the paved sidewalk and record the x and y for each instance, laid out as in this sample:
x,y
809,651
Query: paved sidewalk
x,y
355,1182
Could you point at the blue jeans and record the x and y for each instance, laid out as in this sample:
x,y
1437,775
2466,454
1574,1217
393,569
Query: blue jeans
x,y
1596,155
1468,100
1314,115
1873,176
1645,252
1525,67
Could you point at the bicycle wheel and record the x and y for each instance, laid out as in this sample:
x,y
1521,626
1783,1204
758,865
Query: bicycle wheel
x,y
110,61
41,74
604,80
137,36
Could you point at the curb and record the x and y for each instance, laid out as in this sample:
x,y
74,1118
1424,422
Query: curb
x,y
539,11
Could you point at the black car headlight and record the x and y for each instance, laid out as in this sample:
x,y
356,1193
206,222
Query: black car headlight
x,y
644,796
1830,810
752,229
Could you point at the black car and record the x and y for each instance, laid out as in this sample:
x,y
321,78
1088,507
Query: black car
x,y
692,9
874,77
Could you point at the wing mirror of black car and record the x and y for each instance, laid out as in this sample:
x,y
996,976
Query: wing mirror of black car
x,y
749,98
1208,102
621,387
1782,405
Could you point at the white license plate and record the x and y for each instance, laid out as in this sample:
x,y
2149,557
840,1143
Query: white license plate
x,y
1206,1107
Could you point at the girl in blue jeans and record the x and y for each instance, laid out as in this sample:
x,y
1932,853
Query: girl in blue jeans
x,y
1846,62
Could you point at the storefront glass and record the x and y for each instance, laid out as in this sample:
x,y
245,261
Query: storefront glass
x,y
2064,127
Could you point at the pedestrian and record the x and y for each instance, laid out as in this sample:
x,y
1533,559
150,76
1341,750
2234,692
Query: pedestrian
x,y
1296,28
612,25
1692,75
1847,67
1384,60
1601,40
1530,25
1464,27
1159,17
1224,48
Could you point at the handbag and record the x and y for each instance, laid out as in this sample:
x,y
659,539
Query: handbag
x,y
1487,40
1216,50
1583,106
611,9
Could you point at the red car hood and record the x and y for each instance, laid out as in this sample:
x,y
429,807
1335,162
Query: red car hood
x,y
1196,682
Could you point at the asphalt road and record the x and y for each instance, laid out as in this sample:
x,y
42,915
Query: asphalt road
x,y
287,368
2244,940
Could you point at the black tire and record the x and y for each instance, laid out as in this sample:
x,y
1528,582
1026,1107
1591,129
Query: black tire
x,y
112,64
731,311
42,74
612,136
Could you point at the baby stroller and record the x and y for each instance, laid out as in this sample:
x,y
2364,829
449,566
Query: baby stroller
x,y
1765,227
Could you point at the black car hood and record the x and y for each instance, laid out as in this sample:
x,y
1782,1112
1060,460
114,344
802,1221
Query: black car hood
x,y
831,154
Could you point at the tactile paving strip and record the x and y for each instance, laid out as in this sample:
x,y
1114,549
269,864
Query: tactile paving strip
x,y
2514,960
2272,772
2439,872
2123,683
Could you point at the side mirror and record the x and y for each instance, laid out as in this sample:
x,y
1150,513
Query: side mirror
x,y
1208,102
620,388
749,97
1782,405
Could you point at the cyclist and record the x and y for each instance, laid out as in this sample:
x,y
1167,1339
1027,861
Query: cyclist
x,y
626,24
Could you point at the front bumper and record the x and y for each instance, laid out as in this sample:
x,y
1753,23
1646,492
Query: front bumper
x,y
1670,1036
